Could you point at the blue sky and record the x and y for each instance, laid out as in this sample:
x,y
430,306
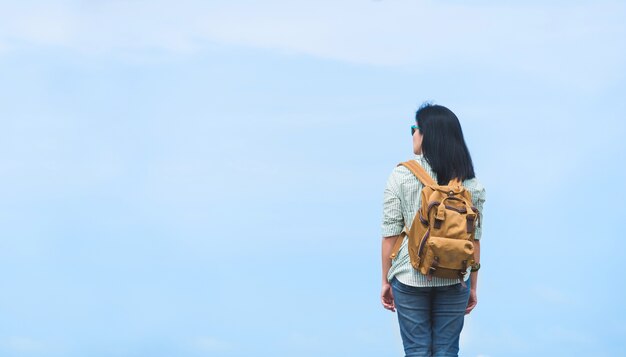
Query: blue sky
x,y
205,178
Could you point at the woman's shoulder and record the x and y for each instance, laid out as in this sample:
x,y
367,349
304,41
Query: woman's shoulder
x,y
476,188
400,171
403,170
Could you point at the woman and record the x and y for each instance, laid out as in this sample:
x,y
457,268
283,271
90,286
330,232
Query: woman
x,y
430,309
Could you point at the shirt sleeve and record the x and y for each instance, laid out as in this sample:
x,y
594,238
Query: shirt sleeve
x,y
393,222
478,199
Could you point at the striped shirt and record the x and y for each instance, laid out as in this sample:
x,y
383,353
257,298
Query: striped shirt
x,y
400,204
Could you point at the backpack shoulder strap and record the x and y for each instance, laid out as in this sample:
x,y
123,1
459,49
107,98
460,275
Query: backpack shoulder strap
x,y
396,247
419,172
426,180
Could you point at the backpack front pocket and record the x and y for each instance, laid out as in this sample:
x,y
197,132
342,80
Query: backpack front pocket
x,y
448,253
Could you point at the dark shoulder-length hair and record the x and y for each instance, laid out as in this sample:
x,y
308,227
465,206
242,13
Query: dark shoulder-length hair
x,y
443,144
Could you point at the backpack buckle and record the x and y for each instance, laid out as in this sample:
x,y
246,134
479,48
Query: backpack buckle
x,y
432,269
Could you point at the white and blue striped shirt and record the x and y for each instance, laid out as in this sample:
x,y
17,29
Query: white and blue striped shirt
x,y
401,201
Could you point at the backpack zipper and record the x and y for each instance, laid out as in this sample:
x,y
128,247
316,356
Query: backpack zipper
x,y
423,242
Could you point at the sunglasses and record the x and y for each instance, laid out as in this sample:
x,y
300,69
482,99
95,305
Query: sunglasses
x,y
414,128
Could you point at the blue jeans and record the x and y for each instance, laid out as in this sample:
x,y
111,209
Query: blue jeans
x,y
431,318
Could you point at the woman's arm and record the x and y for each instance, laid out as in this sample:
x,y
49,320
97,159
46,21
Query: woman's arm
x,y
386,295
392,225
473,299
478,199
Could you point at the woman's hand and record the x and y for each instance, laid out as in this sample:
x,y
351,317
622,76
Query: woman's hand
x,y
386,297
471,303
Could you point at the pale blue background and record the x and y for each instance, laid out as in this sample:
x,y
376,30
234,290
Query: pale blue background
x,y
204,178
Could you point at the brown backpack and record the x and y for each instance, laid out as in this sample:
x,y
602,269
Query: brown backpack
x,y
442,234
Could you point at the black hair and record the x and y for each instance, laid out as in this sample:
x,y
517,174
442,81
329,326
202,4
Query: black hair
x,y
443,144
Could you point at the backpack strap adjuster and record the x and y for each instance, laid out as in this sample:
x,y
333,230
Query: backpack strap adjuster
x,y
433,267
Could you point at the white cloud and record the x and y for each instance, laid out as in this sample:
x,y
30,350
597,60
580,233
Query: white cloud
x,y
21,344
569,334
556,41
551,295
44,24
210,344
303,341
